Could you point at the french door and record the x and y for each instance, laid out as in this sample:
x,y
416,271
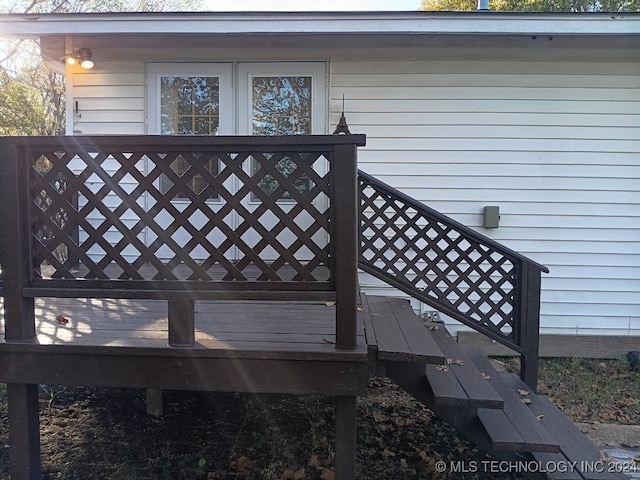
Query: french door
x,y
228,99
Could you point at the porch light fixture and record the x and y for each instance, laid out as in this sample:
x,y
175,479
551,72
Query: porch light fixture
x,y
81,56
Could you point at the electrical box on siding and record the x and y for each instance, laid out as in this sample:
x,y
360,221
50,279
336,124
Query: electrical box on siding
x,y
491,216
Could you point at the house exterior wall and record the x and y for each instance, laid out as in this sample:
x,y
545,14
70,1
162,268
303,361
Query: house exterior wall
x,y
556,145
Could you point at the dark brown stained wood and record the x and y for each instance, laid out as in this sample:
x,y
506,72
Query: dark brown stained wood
x,y
155,404
181,320
528,328
24,432
553,460
478,390
344,234
452,268
239,328
131,369
375,369
15,246
369,331
297,251
535,435
390,340
178,142
420,342
398,332
445,387
574,444
501,431
346,416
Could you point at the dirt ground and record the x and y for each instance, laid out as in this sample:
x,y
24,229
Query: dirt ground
x,y
92,433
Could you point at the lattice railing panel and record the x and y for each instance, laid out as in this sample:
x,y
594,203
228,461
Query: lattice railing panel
x,y
180,214
439,261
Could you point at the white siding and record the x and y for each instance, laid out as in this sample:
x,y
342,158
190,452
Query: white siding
x,y
110,99
555,145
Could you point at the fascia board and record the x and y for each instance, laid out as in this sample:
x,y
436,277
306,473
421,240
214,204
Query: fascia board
x,y
425,23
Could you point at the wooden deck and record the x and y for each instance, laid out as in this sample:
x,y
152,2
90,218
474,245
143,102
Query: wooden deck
x,y
272,346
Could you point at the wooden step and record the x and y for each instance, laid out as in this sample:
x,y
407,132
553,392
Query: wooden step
x,y
575,446
458,382
514,427
396,333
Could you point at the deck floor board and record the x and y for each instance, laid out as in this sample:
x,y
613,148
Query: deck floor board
x,y
226,325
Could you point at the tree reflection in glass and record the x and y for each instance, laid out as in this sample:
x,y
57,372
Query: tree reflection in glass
x,y
281,106
189,106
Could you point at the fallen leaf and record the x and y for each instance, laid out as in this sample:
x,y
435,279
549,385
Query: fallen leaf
x,y
294,475
539,417
62,320
326,340
328,475
442,368
360,309
329,304
523,392
388,453
432,328
451,361
485,376
526,401
241,464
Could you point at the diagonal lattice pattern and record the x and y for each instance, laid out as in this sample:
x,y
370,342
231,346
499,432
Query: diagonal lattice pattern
x,y
180,215
437,260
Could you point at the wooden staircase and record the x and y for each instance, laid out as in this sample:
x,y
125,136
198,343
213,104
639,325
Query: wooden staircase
x,y
495,410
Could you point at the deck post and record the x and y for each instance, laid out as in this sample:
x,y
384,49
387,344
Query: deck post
x,y
24,431
346,417
345,243
530,326
15,247
181,323
19,312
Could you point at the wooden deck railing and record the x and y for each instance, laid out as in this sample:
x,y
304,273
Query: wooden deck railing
x,y
179,218
452,268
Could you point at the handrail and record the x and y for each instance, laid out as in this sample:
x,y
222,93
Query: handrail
x,y
450,221
452,268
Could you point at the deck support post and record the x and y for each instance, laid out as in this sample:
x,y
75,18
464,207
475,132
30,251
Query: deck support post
x,y
530,327
181,323
344,265
346,417
24,431
155,402
19,312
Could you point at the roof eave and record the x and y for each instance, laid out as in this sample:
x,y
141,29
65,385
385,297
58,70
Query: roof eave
x,y
330,23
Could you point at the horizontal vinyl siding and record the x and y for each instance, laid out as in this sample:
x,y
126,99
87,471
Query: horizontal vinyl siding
x,y
110,99
555,145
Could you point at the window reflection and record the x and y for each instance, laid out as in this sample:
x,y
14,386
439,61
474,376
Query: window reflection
x,y
190,106
281,106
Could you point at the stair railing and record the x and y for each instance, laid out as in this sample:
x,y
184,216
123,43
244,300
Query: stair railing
x,y
451,268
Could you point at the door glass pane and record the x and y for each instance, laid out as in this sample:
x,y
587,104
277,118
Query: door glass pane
x,y
189,106
281,106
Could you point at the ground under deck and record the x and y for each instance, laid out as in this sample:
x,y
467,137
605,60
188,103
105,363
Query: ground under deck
x,y
246,346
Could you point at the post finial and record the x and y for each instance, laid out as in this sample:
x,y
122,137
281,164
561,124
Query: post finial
x,y
342,127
